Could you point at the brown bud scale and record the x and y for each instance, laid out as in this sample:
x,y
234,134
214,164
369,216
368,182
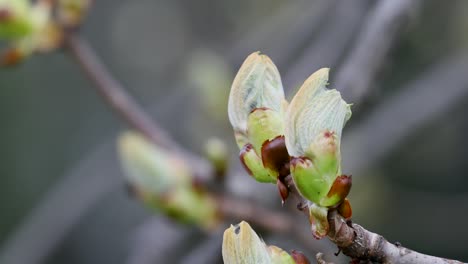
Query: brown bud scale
x,y
341,187
283,190
274,154
242,154
299,257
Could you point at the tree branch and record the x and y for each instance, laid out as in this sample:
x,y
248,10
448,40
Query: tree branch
x,y
380,31
362,245
359,243
125,107
114,94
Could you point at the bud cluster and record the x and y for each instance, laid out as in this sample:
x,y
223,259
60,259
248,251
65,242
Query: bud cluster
x,y
301,139
242,245
36,27
162,181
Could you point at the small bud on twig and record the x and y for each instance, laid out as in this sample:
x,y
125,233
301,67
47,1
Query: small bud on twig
x,y
256,111
241,245
313,125
162,181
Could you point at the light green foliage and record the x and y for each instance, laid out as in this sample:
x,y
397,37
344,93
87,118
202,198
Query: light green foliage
x,y
29,28
216,152
163,182
241,245
318,218
150,167
17,21
256,110
311,124
264,124
313,110
279,256
211,75
256,85
314,122
253,162
309,180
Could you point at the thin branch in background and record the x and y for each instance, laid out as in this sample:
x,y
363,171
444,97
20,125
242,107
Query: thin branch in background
x,y
379,33
123,104
330,44
362,245
283,33
430,95
114,94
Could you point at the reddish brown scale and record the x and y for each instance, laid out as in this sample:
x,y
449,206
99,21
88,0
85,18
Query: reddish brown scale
x,y
283,190
344,209
259,108
242,154
328,134
299,257
298,160
275,155
341,187
198,184
11,57
5,15
284,171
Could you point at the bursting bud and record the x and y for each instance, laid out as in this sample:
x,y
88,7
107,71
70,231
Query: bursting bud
x,y
216,152
14,19
71,12
162,181
256,110
30,27
241,245
313,126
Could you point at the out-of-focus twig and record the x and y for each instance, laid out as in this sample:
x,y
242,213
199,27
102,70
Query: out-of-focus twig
x,y
123,104
284,33
428,96
114,94
379,33
328,47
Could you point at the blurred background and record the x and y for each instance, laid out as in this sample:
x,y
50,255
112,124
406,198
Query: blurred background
x,y
404,65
